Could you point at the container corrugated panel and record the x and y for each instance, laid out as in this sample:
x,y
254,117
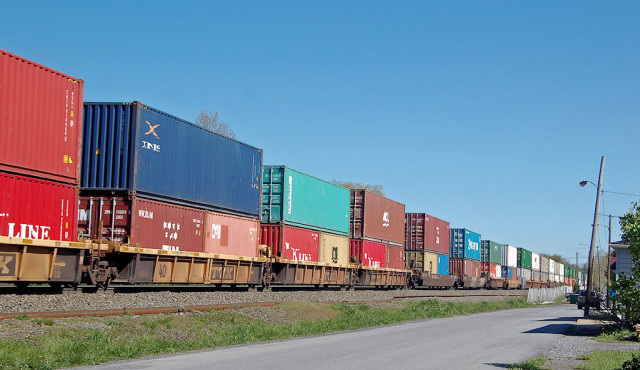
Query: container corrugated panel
x,y
40,116
425,232
297,199
293,243
523,272
509,255
552,267
372,254
143,222
492,270
417,257
524,258
135,148
463,266
535,275
231,235
465,244
431,262
544,264
32,208
376,218
535,261
395,257
491,251
561,269
544,276
443,264
333,249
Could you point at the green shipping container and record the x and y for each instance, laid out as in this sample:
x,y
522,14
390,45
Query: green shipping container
x,y
297,199
491,252
524,258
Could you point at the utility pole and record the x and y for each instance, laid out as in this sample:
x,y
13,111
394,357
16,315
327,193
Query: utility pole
x,y
609,263
577,269
593,240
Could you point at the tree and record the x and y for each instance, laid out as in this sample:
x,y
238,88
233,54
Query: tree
x,y
377,188
627,288
209,121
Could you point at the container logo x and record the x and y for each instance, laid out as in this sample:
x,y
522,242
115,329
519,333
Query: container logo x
x,y
152,130
5,260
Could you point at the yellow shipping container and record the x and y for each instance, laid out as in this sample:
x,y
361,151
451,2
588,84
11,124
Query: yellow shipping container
x,y
431,262
334,249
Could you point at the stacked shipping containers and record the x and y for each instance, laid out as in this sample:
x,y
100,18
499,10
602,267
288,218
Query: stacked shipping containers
x,y
491,254
377,230
544,269
465,253
305,218
40,112
535,267
524,263
160,182
510,260
427,242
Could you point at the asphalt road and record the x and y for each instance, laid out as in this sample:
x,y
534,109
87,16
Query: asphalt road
x,y
486,340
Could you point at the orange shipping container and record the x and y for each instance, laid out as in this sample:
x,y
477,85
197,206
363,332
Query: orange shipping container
x,y
231,235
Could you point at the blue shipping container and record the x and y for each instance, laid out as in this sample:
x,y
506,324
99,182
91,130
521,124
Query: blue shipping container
x,y
443,264
465,244
135,148
507,272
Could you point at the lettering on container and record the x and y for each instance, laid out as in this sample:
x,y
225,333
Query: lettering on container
x,y
216,231
7,264
27,231
371,262
145,214
473,246
169,234
334,254
385,219
83,215
290,193
152,129
151,146
170,248
297,255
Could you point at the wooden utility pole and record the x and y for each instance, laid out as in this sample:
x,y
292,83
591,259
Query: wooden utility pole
x,y
593,240
609,263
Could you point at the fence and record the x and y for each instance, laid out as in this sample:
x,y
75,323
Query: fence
x,y
547,294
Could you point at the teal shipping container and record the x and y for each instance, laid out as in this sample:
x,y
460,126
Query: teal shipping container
x,y
491,252
297,199
524,258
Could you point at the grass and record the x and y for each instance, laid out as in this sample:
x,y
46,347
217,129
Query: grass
x,y
128,337
536,363
598,360
616,334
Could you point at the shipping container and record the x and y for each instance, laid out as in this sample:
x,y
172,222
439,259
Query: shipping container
x,y
509,255
231,235
465,244
492,270
372,254
544,276
535,275
414,260
297,199
544,264
130,147
526,273
334,249
560,270
466,267
374,217
431,262
40,116
443,264
535,261
425,232
491,252
142,222
552,267
289,242
507,272
32,208
524,258
395,257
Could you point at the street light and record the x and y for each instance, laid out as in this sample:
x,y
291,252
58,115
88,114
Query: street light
x,y
593,237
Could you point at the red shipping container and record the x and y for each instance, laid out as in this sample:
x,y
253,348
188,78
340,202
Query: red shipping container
x,y
142,222
395,257
232,235
425,232
32,208
462,266
41,120
376,218
372,254
293,243
492,270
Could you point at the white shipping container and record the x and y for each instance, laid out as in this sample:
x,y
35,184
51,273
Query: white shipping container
x,y
526,273
561,270
535,262
552,268
499,271
509,256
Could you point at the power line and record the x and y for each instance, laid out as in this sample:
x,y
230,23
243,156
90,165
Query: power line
x,y
617,192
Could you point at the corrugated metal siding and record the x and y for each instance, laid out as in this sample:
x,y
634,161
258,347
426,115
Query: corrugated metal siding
x,y
293,243
431,262
377,218
32,208
465,244
491,252
535,261
334,249
40,113
371,254
231,235
425,232
298,199
509,255
443,264
133,147
524,258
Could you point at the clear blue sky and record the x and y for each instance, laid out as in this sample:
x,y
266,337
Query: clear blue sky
x,y
485,114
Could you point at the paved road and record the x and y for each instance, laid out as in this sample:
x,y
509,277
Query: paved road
x,y
487,340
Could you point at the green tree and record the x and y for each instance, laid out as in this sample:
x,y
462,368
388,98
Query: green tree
x,y
377,188
627,287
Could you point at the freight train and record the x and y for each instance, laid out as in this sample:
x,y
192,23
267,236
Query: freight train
x,y
104,193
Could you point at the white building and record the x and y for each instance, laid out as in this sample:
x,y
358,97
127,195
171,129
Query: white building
x,y
623,258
